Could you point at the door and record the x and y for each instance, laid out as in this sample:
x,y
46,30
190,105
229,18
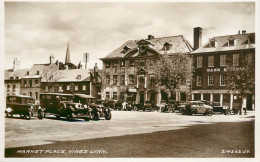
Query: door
x,y
152,97
249,102
141,98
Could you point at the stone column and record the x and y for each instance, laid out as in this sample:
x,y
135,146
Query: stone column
x,y
211,97
159,97
201,96
192,96
145,78
231,101
221,99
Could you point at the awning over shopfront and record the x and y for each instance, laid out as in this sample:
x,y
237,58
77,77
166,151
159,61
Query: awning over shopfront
x,y
131,90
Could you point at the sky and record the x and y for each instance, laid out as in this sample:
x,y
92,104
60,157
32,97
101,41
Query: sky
x,y
35,30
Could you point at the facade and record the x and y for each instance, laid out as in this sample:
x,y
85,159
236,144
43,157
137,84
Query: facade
x,y
210,63
128,71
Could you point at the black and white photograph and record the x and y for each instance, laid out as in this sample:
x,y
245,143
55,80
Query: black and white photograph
x,y
167,80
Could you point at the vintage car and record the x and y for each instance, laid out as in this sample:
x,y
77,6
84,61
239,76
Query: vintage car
x,y
22,105
99,109
197,107
115,104
148,105
63,105
217,108
180,107
170,106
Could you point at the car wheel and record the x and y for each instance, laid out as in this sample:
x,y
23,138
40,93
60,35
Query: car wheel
x,y
57,116
210,113
97,116
28,115
86,119
70,116
108,116
41,115
9,114
194,112
22,116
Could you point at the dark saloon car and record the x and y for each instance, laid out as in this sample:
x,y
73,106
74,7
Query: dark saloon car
x,y
170,106
99,109
63,105
217,108
22,105
149,106
197,107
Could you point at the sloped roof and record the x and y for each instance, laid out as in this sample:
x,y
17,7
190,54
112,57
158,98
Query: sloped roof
x,y
179,45
222,43
72,75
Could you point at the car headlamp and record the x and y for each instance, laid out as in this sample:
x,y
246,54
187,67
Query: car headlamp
x,y
9,109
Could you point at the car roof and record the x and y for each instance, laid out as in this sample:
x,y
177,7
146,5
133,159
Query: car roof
x,y
83,95
60,94
23,96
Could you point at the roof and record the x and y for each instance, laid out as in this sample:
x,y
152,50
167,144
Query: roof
x,y
222,43
73,75
61,94
84,96
24,96
179,45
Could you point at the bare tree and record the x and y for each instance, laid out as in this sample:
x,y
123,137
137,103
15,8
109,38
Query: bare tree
x,y
50,76
173,71
242,79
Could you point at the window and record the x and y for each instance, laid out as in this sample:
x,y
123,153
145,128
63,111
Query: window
x,y
36,83
249,57
60,88
8,86
114,95
115,64
46,88
122,95
152,80
231,42
132,63
38,73
107,95
79,77
122,79
211,61
235,59
114,79
36,95
141,80
252,40
142,63
199,61
30,82
25,82
223,59
84,87
107,64
76,88
122,64
222,80
210,80
31,94
27,73
107,79
68,87
212,43
14,87
152,62
131,79
199,80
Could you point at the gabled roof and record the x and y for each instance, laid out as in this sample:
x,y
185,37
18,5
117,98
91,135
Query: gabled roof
x,y
72,75
179,45
222,45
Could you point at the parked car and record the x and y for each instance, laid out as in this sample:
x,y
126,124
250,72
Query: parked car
x,y
115,104
148,105
197,107
217,108
63,105
180,106
170,106
22,105
100,109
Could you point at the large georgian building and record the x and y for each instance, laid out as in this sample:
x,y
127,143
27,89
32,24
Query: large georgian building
x,y
128,71
210,63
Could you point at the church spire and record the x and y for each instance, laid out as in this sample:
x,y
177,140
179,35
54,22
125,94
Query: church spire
x,y
67,59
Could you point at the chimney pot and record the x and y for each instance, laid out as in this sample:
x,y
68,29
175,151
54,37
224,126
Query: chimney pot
x,y
197,37
243,31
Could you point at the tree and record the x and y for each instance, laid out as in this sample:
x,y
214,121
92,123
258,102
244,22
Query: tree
x,y
242,79
50,76
62,66
173,71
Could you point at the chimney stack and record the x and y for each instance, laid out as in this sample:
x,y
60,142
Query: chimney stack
x,y
150,37
243,31
197,37
238,31
52,59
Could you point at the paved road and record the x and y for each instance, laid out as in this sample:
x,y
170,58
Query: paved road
x,y
61,134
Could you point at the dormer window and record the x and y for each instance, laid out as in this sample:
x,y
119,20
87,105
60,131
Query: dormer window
x,y
126,48
167,46
107,64
115,64
122,64
231,41
212,43
79,77
27,73
38,73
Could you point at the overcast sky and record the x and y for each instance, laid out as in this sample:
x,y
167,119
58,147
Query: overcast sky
x,y
33,31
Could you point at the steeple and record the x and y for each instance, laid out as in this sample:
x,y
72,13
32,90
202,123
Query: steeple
x,y
67,59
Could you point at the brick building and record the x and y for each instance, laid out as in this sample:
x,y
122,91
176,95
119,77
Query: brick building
x,y
127,72
210,62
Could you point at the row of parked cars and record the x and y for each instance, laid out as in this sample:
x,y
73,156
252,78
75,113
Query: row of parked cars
x,y
58,104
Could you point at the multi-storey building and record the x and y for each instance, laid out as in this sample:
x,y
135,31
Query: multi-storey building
x,y
210,62
128,71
